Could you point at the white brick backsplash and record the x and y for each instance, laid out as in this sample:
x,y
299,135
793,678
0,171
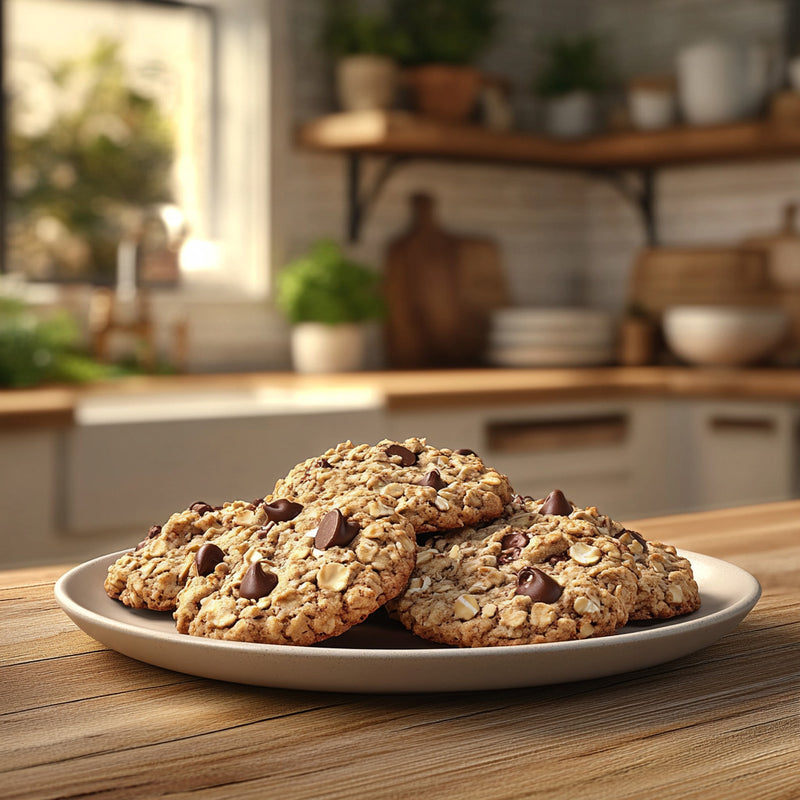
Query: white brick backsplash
x,y
565,238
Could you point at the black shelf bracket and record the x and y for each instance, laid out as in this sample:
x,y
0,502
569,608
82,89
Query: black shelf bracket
x,y
638,187
360,198
640,192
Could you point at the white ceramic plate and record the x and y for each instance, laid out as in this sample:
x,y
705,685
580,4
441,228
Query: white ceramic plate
x,y
379,657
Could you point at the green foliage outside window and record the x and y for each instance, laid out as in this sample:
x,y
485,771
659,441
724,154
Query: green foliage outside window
x,y
77,184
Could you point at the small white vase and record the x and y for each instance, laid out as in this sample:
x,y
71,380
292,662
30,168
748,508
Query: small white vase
x,y
318,348
711,83
571,116
366,82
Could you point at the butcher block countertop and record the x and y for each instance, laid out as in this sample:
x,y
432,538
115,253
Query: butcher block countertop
x,y
80,720
422,390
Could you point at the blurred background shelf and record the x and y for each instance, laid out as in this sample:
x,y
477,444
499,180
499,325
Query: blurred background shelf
x,y
401,136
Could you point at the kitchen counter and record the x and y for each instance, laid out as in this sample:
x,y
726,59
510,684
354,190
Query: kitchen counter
x,y
420,390
80,720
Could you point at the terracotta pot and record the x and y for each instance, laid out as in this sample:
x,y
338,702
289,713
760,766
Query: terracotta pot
x,y
366,82
445,91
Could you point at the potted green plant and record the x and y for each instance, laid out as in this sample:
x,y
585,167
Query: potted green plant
x,y
366,49
569,83
328,299
444,37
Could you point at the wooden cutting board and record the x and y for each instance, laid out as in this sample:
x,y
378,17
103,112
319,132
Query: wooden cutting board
x,y
441,289
677,276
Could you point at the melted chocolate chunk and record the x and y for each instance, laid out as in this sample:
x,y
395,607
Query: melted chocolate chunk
x,y
541,588
637,536
556,504
207,558
334,529
407,458
513,541
465,451
511,546
433,478
201,508
257,582
282,510
151,534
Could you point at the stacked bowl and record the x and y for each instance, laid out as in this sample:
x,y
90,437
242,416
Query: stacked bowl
x,y
551,337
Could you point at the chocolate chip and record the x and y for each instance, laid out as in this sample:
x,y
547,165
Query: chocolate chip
x,y
511,545
541,588
514,540
507,556
334,529
637,536
151,534
465,451
556,504
407,458
207,557
257,502
257,582
282,510
201,508
324,463
433,478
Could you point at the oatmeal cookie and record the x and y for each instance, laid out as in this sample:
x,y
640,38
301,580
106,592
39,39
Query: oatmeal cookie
x,y
527,582
305,580
666,585
152,575
434,489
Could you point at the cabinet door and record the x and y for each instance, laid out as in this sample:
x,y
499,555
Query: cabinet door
x,y
599,453
741,452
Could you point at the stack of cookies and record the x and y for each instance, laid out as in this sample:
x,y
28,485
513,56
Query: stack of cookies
x,y
435,536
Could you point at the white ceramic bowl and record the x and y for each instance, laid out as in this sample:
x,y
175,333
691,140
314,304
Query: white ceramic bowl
x,y
723,336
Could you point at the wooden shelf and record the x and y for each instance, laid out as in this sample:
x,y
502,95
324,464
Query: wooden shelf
x,y
404,134
399,136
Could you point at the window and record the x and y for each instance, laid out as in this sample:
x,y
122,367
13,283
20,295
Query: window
x,y
124,114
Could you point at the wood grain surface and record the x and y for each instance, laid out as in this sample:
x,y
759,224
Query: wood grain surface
x,y
81,721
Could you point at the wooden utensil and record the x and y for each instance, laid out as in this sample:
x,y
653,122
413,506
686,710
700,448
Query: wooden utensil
x,y
441,288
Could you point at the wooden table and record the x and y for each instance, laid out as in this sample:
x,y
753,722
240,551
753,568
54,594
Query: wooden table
x,y
80,720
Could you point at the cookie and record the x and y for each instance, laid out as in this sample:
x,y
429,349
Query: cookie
x,y
434,489
667,587
305,580
527,582
152,575
666,584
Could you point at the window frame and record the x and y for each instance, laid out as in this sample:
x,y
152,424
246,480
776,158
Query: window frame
x,y
247,97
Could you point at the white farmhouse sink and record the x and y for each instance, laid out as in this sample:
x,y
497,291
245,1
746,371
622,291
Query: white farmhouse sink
x,y
100,408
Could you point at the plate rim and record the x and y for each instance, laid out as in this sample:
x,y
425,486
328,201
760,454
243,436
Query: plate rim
x,y
666,629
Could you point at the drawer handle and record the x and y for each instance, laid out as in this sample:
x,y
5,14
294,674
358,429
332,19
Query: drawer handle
x,y
741,425
530,436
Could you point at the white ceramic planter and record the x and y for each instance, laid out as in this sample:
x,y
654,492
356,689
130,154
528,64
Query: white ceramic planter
x,y
318,348
571,116
366,82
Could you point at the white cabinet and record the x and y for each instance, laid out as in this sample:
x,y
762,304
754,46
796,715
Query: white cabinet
x,y
29,462
738,453
608,454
